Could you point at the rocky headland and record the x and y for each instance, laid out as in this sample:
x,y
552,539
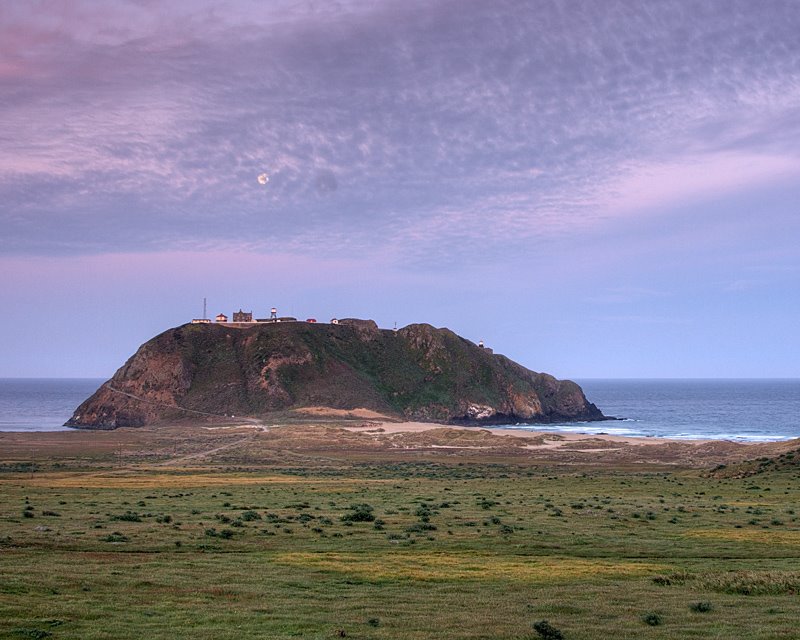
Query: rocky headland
x,y
204,372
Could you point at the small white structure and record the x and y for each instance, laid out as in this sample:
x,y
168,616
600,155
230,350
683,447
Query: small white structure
x,y
334,321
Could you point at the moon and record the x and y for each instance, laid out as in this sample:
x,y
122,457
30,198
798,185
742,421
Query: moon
x,y
263,178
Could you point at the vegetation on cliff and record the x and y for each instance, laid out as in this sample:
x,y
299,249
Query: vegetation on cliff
x,y
418,372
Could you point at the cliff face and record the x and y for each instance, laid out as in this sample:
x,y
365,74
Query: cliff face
x,y
418,373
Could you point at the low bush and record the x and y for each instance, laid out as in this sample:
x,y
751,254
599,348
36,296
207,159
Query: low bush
x,y
128,516
651,618
547,631
359,513
115,537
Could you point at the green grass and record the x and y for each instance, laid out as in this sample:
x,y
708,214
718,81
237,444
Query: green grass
x,y
469,551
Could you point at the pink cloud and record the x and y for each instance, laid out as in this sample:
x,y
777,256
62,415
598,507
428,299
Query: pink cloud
x,y
691,179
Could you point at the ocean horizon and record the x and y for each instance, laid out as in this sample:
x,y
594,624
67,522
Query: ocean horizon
x,y
738,409
744,410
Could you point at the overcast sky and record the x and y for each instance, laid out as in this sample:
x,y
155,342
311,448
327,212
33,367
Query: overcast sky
x,y
595,189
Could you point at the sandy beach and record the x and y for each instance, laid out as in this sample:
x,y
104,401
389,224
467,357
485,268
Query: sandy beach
x,y
555,436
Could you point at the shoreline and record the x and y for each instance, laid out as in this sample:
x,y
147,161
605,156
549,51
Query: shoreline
x,y
318,416
541,431
330,439
389,427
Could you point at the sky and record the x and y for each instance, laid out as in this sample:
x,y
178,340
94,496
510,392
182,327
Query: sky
x,y
595,189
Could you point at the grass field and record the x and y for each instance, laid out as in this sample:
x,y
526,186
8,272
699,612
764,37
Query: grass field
x,y
433,548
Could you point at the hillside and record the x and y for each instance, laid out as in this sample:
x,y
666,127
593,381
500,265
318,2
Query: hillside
x,y
418,373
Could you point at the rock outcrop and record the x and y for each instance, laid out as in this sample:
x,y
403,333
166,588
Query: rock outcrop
x,y
419,373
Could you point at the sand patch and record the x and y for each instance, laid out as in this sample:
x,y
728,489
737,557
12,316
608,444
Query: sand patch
x,y
327,412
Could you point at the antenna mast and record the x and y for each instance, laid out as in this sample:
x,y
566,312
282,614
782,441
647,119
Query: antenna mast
x,y
204,309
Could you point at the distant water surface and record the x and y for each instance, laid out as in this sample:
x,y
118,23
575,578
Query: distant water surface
x,y
42,404
744,410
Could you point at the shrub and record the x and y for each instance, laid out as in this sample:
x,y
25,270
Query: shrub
x,y
359,513
128,516
114,537
701,607
31,633
250,515
547,631
419,527
652,618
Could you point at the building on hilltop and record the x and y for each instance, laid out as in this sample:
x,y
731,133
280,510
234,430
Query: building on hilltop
x,y
273,316
222,317
242,316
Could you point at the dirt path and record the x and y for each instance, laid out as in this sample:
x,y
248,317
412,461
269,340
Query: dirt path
x,y
209,452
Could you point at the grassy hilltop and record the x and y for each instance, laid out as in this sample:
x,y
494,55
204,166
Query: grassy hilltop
x,y
418,372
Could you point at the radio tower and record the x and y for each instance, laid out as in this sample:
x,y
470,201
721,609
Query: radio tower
x,y
204,310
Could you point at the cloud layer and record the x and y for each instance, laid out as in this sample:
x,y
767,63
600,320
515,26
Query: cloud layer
x,y
418,130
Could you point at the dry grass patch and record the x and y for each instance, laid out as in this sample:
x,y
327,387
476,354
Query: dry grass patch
x,y
461,566
760,536
95,480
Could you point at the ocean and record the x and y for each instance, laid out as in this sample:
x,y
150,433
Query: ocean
x,y
42,404
758,410
742,410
